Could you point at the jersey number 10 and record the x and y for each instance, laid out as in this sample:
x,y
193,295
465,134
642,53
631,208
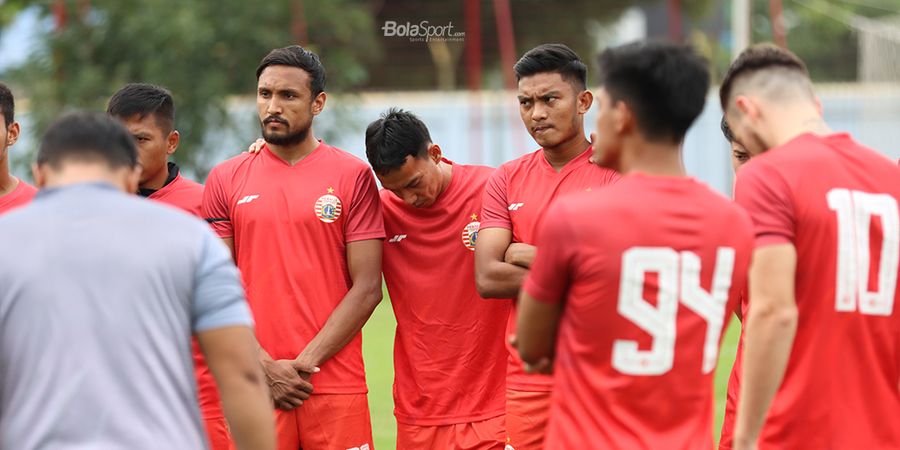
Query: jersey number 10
x,y
678,281
854,210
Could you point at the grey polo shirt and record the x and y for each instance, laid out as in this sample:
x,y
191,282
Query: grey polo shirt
x,y
100,292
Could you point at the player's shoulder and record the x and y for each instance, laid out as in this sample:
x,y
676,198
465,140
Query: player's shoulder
x,y
474,173
523,161
235,163
343,159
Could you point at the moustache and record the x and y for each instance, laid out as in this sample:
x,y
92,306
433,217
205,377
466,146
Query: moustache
x,y
271,119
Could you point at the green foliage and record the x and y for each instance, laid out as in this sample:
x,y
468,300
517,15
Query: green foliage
x,y
202,50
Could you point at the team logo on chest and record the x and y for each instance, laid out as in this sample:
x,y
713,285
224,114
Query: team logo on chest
x,y
470,232
328,207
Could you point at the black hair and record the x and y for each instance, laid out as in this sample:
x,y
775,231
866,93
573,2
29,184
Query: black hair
x,y
299,57
556,58
759,57
726,130
7,104
664,85
87,137
142,100
394,136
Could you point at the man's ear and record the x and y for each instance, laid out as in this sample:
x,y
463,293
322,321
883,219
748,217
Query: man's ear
x,y
585,100
318,103
172,142
434,152
12,134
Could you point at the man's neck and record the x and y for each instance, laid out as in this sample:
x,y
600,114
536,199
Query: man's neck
x,y
566,151
446,175
292,154
792,120
158,181
7,181
653,158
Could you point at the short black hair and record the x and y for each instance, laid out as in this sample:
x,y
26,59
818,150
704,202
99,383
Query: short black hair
x,y
87,137
299,57
556,58
7,104
726,130
664,84
759,57
394,136
142,100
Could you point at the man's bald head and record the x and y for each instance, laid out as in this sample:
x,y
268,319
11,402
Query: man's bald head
x,y
766,70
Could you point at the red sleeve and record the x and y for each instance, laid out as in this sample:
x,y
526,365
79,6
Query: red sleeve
x,y
766,196
494,207
215,208
550,272
364,219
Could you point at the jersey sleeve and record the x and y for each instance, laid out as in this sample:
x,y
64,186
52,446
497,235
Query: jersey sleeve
x,y
364,218
218,299
494,207
215,208
766,197
552,267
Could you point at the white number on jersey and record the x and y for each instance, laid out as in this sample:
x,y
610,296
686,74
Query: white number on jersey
x,y
678,279
854,211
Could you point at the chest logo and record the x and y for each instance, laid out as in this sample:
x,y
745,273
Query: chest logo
x,y
328,207
470,232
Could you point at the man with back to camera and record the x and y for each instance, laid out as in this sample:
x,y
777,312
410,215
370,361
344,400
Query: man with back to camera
x,y
148,112
632,311
454,399
553,98
14,192
818,370
109,366
304,223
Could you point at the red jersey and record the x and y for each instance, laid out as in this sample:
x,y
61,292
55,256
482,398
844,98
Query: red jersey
x,y
516,198
449,340
20,195
836,202
291,226
647,270
187,195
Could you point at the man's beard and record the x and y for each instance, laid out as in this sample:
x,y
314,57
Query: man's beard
x,y
285,140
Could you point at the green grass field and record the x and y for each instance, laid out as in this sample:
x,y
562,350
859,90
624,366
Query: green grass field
x,y
378,348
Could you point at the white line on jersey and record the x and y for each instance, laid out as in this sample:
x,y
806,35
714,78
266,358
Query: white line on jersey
x,y
397,238
515,206
247,199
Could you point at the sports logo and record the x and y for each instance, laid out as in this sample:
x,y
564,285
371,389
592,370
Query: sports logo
x,y
248,199
470,232
515,206
328,207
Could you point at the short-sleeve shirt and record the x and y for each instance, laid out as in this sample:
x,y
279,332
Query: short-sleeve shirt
x,y
20,195
94,341
187,195
835,201
450,342
645,298
291,225
516,198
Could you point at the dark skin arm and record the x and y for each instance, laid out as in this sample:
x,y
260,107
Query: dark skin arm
x,y
537,326
364,264
230,353
494,276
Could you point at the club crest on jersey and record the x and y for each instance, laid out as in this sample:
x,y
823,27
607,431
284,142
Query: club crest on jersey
x,y
328,207
470,232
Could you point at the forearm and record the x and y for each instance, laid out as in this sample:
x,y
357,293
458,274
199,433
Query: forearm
x,y
343,325
500,280
767,347
246,403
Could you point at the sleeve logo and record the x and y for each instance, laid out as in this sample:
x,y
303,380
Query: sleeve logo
x,y
328,207
470,232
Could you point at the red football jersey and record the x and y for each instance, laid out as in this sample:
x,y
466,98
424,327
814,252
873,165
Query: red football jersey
x,y
181,193
836,202
516,198
20,195
449,340
187,195
291,226
648,270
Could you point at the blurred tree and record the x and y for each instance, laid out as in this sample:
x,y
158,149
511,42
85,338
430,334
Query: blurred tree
x,y
202,50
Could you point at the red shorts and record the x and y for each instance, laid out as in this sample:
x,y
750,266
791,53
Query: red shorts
x,y
527,414
218,434
483,435
326,422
